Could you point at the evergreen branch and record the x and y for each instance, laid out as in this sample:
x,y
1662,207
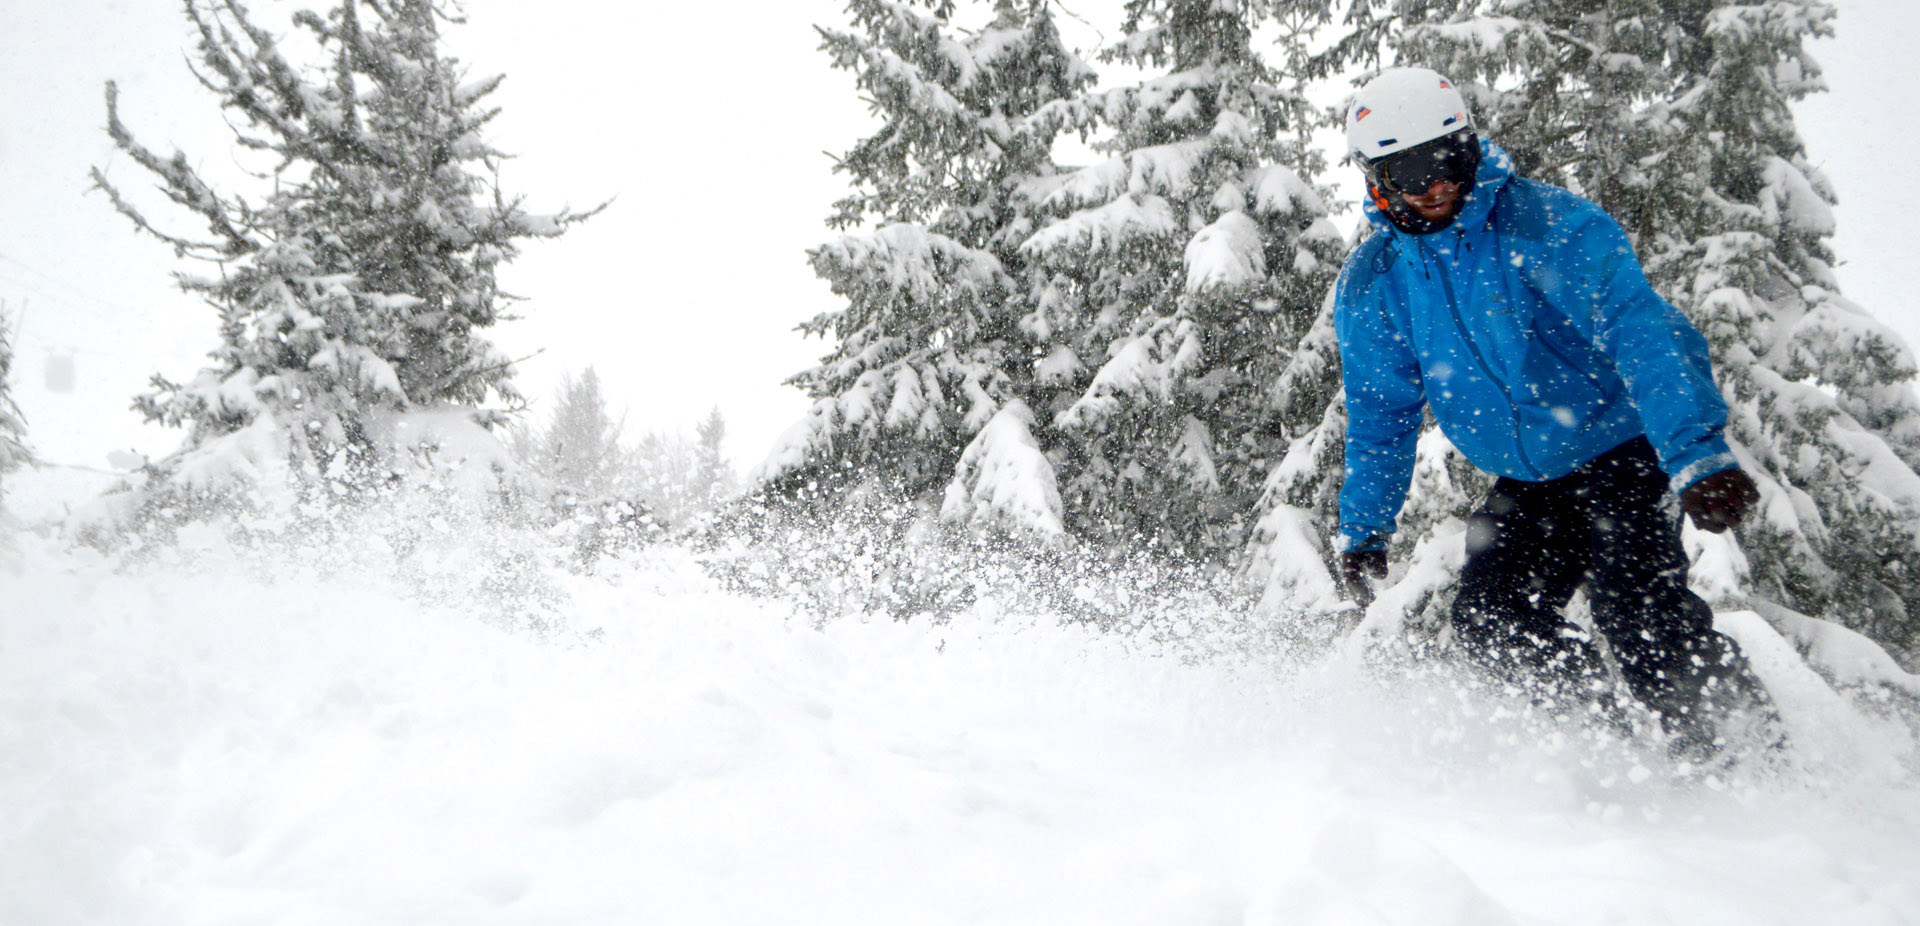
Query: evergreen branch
x,y
182,185
214,44
265,68
441,12
282,76
364,54
245,76
201,78
181,246
442,384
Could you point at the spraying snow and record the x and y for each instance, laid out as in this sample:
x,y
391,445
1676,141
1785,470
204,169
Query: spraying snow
x,y
462,731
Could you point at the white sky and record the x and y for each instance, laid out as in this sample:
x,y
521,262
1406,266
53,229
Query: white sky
x,y
705,123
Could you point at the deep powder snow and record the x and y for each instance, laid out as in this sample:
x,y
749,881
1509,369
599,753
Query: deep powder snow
x,y
187,742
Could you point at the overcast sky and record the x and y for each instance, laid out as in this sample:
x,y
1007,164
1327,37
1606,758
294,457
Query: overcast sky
x,y
705,123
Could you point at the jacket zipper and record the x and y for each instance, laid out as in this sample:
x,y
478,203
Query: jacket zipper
x,y
1453,306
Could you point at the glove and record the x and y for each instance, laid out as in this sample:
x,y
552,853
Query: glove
x,y
1719,501
1356,568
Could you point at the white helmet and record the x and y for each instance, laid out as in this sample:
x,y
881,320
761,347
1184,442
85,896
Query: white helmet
x,y
1400,108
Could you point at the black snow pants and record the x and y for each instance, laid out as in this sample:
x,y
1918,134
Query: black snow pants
x,y
1613,525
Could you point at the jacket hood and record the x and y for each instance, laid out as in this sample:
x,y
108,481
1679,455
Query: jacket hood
x,y
1496,168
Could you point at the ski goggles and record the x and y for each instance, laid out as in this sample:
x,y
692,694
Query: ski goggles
x,y
1450,158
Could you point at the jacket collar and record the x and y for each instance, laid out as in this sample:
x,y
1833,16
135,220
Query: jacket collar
x,y
1496,168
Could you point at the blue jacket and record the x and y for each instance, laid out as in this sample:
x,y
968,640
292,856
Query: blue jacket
x,y
1530,329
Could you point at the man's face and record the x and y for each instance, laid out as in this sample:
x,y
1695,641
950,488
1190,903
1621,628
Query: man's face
x,y
1432,178
1438,203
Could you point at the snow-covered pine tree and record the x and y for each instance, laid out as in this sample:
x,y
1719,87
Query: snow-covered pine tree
x,y
714,480
1676,118
579,450
1822,394
595,488
353,285
13,427
683,479
663,475
936,338
1181,273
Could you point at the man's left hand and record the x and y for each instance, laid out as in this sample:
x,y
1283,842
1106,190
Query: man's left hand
x,y
1720,500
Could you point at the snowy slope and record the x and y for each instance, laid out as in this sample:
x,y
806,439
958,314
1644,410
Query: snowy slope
x,y
189,743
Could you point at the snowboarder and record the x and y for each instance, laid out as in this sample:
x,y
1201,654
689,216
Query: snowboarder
x,y
1517,312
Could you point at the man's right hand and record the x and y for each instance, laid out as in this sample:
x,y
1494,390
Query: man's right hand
x,y
1720,500
1356,568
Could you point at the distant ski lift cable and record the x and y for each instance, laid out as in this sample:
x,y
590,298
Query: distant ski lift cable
x,y
56,281
94,310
